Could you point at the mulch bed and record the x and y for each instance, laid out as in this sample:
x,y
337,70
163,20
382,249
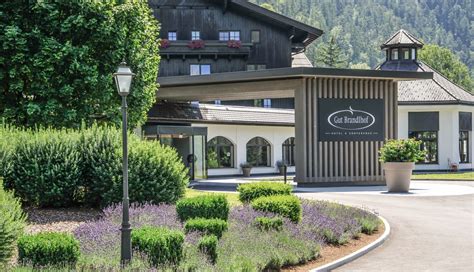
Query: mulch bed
x,y
331,253
59,220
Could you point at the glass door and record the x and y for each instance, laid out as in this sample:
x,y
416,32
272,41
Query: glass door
x,y
199,152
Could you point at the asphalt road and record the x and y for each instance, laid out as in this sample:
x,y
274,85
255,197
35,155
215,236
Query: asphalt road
x,y
429,233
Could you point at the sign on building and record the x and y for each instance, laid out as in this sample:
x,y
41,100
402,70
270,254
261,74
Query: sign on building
x,y
350,119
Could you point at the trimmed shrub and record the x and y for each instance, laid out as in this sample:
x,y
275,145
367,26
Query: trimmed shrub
x,y
267,223
208,245
48,248
161,245
251,191
208,226
205,206
62,168
12,224
45,168
285,205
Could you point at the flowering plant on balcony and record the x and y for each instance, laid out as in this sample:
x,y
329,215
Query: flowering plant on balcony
x,y
234,44
164,43
196,44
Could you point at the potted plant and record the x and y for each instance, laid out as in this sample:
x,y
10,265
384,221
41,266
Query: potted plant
x,y
398,158
246,168
281,167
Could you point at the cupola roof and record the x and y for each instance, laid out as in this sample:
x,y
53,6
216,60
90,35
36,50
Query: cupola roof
x,y
402,38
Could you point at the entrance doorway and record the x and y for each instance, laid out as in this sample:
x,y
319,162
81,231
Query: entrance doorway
x,y
189,142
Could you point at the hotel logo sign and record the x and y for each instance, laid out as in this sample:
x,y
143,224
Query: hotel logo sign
x,y
351,119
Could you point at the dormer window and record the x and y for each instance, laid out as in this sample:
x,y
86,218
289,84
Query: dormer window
x,y
172,35
405,53
394,54
229,35
195,35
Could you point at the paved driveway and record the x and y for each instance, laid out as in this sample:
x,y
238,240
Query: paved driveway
x,y
429,233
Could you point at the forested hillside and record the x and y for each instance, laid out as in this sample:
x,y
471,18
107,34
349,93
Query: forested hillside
x,y
360,26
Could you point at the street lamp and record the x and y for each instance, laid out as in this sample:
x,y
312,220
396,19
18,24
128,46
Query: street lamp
x,y
123,80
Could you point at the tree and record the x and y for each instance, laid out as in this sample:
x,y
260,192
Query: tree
x,y
268,6
57,60
330,55
447,63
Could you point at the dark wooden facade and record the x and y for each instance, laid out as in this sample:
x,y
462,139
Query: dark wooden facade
x,y
278,39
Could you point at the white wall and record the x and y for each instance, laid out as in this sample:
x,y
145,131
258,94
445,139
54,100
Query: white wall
x,y
240,135
448,134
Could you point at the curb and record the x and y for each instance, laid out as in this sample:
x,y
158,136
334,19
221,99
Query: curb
x,y
351,257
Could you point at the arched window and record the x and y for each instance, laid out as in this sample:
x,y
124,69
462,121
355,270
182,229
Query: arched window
x,y
258,152
289,151
220,153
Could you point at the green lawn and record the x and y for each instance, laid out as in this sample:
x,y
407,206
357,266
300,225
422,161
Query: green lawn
x,y
449,176
233,198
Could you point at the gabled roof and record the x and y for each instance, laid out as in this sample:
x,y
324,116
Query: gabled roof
x,y
302,33
219,114
402,38
438,90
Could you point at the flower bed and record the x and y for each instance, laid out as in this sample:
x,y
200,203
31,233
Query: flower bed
x,y
322,223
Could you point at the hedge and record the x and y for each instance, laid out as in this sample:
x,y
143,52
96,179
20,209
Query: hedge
x,y
208,245
161,245
251,191
208,226
204,206
12,224
48,248
285,205
63,168
267,223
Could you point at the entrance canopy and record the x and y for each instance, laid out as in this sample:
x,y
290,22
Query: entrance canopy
x,y
270,83
342,116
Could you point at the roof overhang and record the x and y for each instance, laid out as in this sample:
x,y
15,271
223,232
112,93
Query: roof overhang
x,y
271,83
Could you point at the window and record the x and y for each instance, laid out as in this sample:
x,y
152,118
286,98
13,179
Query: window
x,y
200,69
223,36
195,35
229,35
413,54
255,36
429,143
258,103
405,53
234,35
253,67
172,35
464,146
258,152
267,103
220,153
289,151
395,54
217,102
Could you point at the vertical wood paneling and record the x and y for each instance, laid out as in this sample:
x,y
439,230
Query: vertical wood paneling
x,y
345,160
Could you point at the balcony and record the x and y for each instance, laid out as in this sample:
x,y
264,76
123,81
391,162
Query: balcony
x,y
211,48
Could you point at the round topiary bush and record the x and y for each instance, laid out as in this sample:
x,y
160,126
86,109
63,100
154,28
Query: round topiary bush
x,y
12,224
250,191
285,205
48,248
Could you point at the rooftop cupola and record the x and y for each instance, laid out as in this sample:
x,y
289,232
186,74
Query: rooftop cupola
x,y
401,46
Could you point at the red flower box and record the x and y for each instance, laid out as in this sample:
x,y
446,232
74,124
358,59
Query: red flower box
x,y
234,44
164,43
196,44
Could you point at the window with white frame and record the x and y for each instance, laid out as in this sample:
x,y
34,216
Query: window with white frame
x,y
200,69
195,35
223,35
234,35
172,35
217,102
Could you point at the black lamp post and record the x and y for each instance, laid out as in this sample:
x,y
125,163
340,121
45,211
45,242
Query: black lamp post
x,y
123,80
